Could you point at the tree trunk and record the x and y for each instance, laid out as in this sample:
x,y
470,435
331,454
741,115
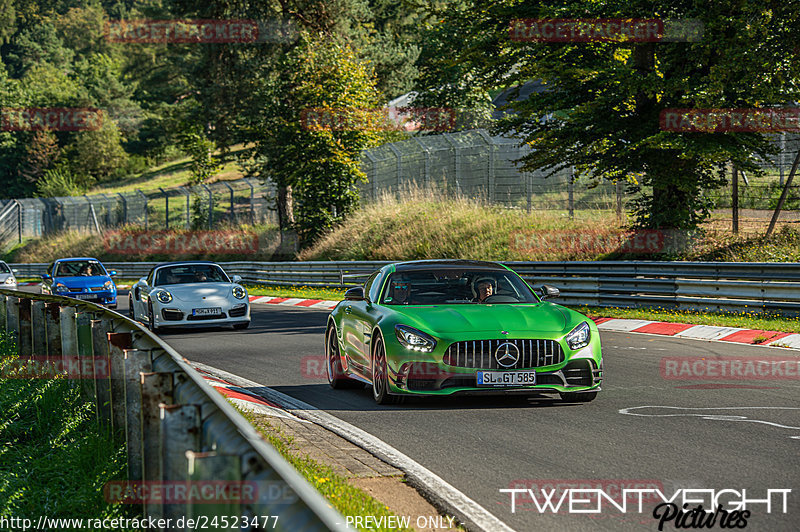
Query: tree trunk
x,y
285,206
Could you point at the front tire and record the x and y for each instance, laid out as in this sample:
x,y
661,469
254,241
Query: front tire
x,y
333,362
380,375
577,397
151,322
131,313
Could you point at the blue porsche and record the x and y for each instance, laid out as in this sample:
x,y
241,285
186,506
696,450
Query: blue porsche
x,y
82,278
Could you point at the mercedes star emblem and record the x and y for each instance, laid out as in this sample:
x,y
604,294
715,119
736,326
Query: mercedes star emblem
x,y
507,354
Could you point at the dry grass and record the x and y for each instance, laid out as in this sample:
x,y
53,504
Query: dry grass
x,y
423,224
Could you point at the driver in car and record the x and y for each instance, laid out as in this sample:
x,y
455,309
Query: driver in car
x,y
484,288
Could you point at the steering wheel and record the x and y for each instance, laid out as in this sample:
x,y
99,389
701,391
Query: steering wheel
x,y
501,298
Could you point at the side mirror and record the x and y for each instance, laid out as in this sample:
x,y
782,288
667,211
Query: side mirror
x,y
355,294
112,273
143,281
14,270
236,279
46,277
546,291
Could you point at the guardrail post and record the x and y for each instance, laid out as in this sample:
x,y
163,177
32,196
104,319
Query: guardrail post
x,y
24,343
180,432
135,362
102,383
38,330
52,316
86,353
217,467
117,343
156,388
69,338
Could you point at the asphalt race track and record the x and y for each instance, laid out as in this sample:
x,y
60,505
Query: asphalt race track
x,y
642,430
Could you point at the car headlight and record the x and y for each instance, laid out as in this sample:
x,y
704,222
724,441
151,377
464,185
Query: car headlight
x,y
59,287
579,336
11,280
164,296
239,292
414,339
109,285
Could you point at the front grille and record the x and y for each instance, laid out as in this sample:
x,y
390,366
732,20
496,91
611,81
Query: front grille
x,y
171,315
76,289
238,311
219,316
96,288
479,354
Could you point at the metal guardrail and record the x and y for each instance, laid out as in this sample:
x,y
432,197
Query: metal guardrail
x,y
716,286
175,426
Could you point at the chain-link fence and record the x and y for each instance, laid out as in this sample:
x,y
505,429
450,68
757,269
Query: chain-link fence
x,y
198,207
475,164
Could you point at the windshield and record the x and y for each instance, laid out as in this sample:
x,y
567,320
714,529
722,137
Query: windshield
x,y
190,273
456,286
79,268
4,268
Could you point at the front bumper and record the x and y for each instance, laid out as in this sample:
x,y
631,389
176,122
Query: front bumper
x,y
171,316
577,375
445,372
101,297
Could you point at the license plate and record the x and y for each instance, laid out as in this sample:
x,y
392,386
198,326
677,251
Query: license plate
x,y
506,378
84,296
206,311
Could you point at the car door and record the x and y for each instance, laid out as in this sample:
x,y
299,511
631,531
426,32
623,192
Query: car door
x,y
362,317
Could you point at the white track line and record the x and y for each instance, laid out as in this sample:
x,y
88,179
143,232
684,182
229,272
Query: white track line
x,y
443,493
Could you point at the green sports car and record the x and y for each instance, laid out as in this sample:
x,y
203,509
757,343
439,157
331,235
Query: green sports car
x,y
439,327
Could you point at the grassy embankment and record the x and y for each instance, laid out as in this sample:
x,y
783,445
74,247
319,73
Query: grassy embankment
x,y
54,459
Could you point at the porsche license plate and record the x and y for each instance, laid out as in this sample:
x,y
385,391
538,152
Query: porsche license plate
x,y
211,311
506,378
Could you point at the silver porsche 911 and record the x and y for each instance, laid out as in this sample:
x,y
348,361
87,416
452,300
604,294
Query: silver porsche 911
x,y
191,293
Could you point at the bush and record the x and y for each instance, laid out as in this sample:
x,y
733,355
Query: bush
x,y
59,182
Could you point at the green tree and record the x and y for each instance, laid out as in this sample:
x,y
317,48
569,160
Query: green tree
x,y
319,167
96,155
601,113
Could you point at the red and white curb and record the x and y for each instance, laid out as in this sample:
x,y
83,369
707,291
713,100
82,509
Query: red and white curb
x,y
245,399
294,302
701,332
